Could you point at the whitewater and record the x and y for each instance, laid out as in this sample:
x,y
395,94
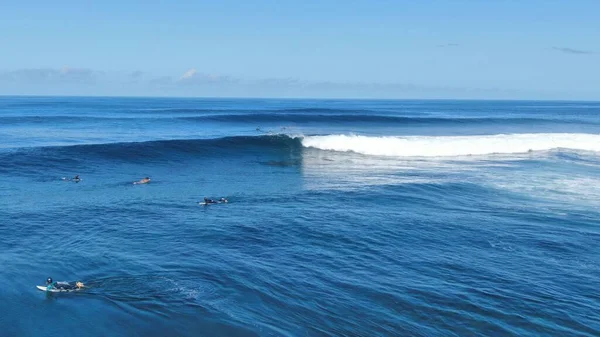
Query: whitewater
x,y
446,146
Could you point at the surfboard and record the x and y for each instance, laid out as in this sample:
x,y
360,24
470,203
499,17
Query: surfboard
x,y
202,203
210,203
44,288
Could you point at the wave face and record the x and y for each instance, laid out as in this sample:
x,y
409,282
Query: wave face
x,y
244,146
165,152
423,146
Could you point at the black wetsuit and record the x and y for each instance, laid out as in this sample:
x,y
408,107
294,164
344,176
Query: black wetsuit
x,y
63,286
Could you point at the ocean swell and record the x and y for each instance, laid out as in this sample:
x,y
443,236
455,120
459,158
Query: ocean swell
x,y
165,151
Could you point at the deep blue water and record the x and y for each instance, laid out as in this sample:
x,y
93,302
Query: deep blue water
x,y
346,218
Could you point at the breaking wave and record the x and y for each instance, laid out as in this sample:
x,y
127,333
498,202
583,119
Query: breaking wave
x,y
447,146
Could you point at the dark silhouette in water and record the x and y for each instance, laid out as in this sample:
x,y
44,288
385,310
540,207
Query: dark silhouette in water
x,y
76,179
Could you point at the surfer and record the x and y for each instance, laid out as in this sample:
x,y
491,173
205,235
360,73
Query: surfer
x,y
63,286
143,181
208,201
75,179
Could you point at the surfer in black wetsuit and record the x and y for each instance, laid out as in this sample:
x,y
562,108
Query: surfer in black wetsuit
x,y
209,201
63,286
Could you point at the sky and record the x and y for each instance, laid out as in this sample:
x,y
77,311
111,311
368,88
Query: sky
x,y
447,49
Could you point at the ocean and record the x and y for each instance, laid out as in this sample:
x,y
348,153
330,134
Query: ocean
x,y
345,217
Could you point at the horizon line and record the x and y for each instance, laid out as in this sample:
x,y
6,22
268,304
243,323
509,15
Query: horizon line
x,y
314,98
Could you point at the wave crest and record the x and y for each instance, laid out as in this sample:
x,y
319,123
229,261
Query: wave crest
x,y
448,146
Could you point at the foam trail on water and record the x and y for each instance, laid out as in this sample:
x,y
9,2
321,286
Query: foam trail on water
x,y
446,146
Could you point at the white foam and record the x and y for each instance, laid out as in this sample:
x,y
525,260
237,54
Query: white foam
x,y
447,146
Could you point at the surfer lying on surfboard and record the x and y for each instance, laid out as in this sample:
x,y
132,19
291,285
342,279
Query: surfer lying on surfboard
x,y
74,179
62,286
143,181
208,201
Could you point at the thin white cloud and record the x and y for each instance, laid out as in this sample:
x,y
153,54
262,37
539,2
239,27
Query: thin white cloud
x,y
572,51
136,74
188,74
193,77
69,80
43,75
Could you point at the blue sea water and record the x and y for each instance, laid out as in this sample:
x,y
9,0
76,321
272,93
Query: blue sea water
x,y
346,217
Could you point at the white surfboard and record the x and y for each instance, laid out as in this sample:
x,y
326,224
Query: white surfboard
x,y
202,203
44,288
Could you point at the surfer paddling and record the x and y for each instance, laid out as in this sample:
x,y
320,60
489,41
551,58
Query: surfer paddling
x,y
208,201
143,181
63,286
74,179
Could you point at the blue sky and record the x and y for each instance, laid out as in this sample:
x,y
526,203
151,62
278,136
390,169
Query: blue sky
x,y
357,49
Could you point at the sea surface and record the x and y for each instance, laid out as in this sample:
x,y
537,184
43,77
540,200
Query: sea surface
x,y
345,217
